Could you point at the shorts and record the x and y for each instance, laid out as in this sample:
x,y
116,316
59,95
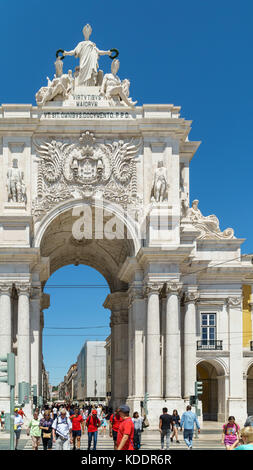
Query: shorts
x,y
77,433
17,432
114,435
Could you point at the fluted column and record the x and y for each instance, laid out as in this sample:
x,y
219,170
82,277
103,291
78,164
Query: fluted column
x,y
5,330
172,342
190,299
23,290
153,353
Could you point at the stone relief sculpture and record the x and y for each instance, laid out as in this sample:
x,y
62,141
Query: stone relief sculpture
x,y
159,191
208,226
114,89
15,184
68,170
88,55
59,88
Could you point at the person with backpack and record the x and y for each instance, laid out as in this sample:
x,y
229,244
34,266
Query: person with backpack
x,y
114,423
187,422
230,434
93,424
62,431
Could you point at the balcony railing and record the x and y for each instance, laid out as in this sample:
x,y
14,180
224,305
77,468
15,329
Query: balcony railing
x,y
211,344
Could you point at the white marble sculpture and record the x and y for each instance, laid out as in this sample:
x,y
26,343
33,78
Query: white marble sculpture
x,y
60,87
15,184
115,90
159,184
88,55
209,226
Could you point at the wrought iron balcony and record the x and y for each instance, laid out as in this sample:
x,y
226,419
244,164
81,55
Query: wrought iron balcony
x,y
209,345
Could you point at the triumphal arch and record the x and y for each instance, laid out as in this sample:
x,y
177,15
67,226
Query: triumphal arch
x,y
89,176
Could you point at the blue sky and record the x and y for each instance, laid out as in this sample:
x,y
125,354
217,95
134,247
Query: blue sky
x,y
196,54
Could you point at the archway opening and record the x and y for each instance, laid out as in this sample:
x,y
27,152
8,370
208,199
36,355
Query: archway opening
x,y
213,378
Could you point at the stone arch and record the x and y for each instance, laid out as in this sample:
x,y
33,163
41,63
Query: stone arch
x,y
212,373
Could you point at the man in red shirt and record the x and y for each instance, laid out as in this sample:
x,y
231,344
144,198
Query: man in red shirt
x,y
115,421
92,423
125,439
77,422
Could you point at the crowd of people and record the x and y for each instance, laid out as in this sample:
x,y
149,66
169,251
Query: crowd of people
x,y
65,424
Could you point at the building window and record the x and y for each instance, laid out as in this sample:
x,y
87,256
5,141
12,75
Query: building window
x,y
208,329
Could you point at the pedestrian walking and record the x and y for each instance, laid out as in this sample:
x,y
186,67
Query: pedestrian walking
x,y
125,436
114,423
77,428
2,420
247,438
34,430
138,428
176,425
187,422
165,427
46,424
62,431
230,434
21,412
249,421
55,412
93,423
18,423
103,424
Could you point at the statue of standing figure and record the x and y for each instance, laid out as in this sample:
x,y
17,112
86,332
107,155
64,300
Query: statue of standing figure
x,y
159,184
114,89
15,184
88,55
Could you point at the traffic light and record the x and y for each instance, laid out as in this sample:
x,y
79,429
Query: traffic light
x,y
34,394
198,388
9,368
146,397
192,400
23,392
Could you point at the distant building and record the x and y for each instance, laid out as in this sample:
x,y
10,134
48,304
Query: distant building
x,y
91,372
70,378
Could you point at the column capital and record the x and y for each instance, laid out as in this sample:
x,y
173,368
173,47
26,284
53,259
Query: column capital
x,y
119,318
173,287
134,293
234,302
191,296
152,288
6,287
23,288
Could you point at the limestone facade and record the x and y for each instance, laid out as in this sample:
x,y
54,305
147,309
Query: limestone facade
x,y
176,279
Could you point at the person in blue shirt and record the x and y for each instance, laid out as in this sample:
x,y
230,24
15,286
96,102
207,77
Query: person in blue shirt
x,y
187,422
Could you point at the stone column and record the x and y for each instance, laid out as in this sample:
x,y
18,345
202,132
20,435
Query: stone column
x,y
23,290
153,352
137,305
5,336
35,337
172,342
191,297
236,399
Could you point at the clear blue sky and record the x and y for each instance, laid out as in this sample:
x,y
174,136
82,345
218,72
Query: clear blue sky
x,y
196,54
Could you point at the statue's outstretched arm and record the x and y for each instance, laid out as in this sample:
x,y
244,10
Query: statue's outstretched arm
x,y
103,52
69,52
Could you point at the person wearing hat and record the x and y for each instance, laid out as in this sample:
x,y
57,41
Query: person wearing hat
x,y
18,422
125,438
93,424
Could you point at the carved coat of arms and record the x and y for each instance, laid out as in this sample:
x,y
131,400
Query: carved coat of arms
x,y
68,170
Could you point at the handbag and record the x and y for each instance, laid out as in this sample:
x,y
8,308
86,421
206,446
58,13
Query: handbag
x,y
145,423
46,435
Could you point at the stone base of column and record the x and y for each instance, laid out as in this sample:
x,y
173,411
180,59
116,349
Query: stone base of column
x,y
237,407
155,408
